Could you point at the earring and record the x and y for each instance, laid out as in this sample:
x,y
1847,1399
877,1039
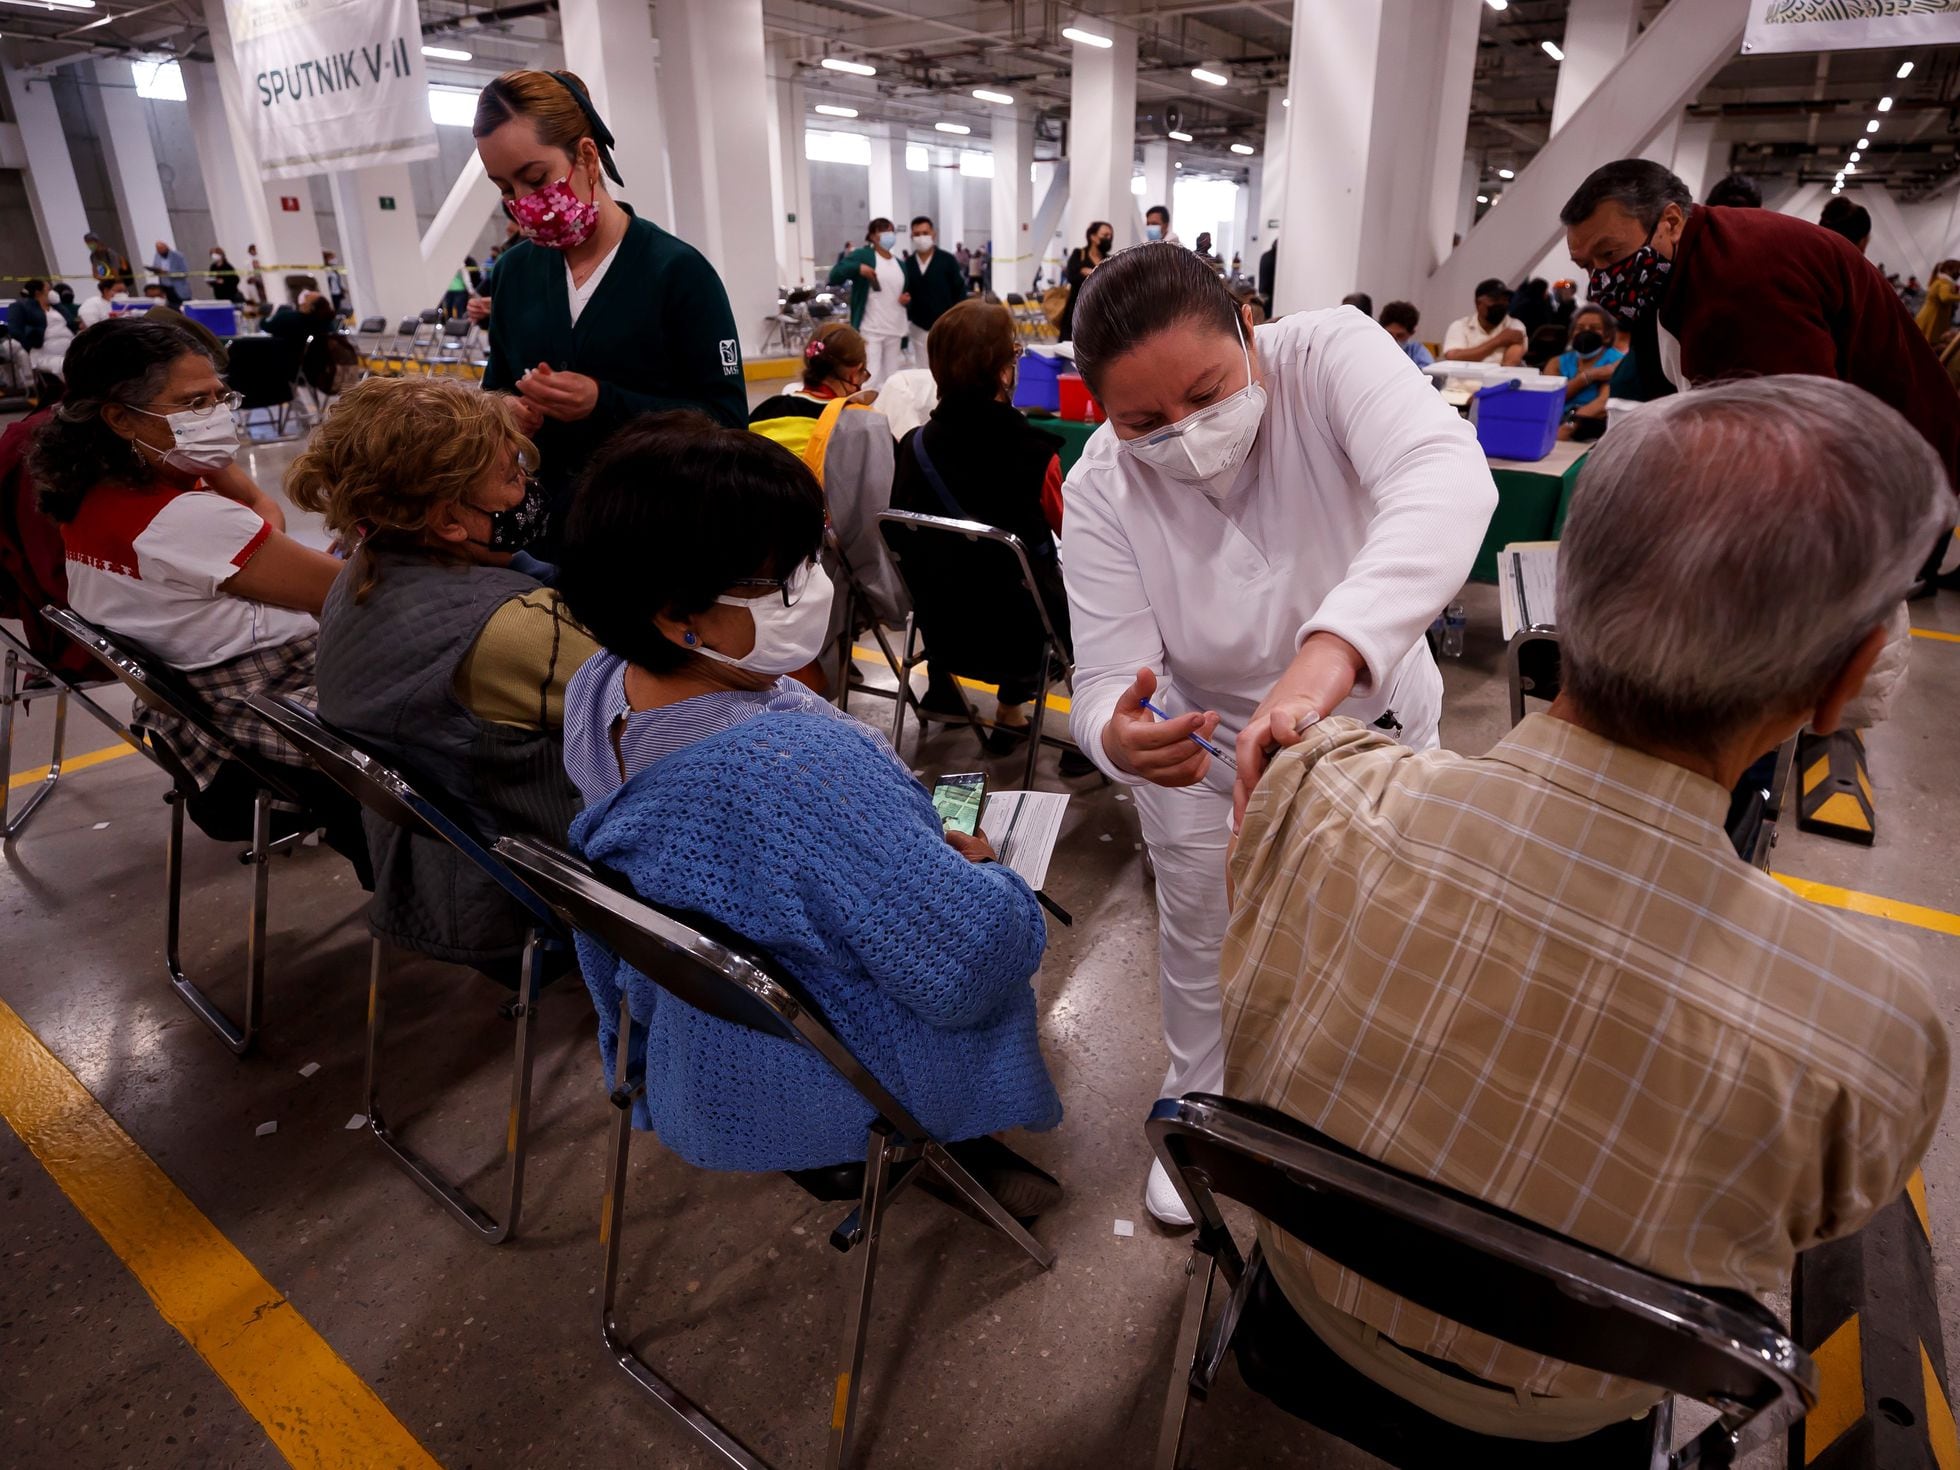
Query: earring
x,y
689,639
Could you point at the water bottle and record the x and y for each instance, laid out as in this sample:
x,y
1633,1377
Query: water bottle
x,y
1454,619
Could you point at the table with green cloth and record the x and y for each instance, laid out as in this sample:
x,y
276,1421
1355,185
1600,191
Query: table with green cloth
x,y
1074,436
1532,497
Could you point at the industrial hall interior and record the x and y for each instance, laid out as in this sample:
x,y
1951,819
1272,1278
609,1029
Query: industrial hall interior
x,y
981,734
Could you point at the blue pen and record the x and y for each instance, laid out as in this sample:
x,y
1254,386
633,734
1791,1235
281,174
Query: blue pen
x,y
1195,738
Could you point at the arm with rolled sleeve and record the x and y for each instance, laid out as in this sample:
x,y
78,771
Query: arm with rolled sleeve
x,y
1115,627
1427,479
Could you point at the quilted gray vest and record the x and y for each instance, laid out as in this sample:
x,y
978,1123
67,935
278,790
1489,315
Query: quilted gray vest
x,y
387,676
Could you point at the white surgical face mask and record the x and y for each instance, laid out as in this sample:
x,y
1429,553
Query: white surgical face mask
x,y
887,239
786,638
922,243
1206,448
1153,232
205,441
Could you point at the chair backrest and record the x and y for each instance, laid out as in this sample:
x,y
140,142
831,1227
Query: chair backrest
x,y
410,325
974,593
384,791
456,328
164,689
262,370
695,960
372,326
431,315
1484,1267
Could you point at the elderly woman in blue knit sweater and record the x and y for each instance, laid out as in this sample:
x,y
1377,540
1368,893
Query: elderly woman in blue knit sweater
x,y
717,785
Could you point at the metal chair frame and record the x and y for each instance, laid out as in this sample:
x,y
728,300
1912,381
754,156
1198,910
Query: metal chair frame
x,y
708,972
270,795
383,791
1053,652
1466,1260
19,657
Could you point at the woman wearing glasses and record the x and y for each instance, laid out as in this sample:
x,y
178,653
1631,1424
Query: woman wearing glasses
x,y
434,653
171,546
717,786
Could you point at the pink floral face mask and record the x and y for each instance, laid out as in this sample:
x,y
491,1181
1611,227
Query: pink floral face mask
x,y
554,216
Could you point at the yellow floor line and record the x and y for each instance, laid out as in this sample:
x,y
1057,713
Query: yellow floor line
x,y
1059,703
316,1412
72,764
1936,634
1938,920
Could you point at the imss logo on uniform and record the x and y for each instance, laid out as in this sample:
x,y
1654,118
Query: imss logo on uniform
x,y
731,360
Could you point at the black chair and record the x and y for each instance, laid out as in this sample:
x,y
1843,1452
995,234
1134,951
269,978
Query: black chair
x,y
975,598
159,686
263,372
27,677
714,972
1468,1261
383,791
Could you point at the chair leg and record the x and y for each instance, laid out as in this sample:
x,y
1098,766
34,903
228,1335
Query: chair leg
x,y
445,1193
13,824
975,1193
1035,722
857,1322
1204,1372
612,1226
238,1037
1200,1269
904,678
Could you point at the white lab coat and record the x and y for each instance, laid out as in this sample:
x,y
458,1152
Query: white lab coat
x,y
1359,511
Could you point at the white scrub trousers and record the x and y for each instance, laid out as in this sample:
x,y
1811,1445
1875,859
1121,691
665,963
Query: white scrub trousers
x,y
882,359
1188,829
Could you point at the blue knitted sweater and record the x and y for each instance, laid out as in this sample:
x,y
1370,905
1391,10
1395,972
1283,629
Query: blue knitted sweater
x,y
800,832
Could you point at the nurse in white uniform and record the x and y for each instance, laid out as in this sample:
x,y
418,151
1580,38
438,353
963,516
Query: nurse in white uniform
x,y
1259,536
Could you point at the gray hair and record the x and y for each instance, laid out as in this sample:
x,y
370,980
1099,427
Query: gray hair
x,y
1729,548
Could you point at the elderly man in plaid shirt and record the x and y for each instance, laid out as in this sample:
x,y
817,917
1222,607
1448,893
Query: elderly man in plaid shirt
x,y
1542,976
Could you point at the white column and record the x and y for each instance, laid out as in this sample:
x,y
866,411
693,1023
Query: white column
x,y
1051,187
381,248
610,45
1157,174
1661,143
1700,158
1102,136
285,237
1257,236
53,196
1241,223
1013,248
226,187
718,147
951,224
789,180
1597,35
131,161
890,188
1272,167
464,212
1466,197
1802,203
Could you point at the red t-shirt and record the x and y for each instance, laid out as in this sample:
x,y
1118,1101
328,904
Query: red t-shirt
x,y
1754,293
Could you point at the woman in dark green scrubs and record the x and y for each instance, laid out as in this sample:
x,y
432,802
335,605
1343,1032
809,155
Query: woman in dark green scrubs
x,y
597,315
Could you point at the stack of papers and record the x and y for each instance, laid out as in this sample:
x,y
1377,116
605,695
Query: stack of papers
x,y
1023,827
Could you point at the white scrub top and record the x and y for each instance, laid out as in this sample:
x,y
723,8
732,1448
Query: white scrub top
x,y
884,315
1358,511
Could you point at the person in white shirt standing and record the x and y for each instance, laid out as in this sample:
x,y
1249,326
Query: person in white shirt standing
x,y
1259,536
885,323
1488,334
101,306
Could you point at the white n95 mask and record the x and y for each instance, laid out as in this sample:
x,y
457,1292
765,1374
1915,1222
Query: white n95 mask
x,y
787,638
1206,448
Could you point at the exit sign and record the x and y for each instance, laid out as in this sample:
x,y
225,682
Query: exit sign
x,y
289,203
387,201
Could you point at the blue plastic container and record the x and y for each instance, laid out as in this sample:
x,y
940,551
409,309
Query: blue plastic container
x,y
221,317
1518,422
1038,385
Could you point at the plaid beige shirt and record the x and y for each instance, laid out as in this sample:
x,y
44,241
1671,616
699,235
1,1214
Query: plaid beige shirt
x,y
1542,977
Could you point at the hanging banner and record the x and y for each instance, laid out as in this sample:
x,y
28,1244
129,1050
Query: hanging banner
x,y
331,84
1848,25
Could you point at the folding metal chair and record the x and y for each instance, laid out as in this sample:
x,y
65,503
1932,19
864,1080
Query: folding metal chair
x,y
160,687
383,791
718,975
369,339
451,346
23,664
943,601
265,372
1470,1262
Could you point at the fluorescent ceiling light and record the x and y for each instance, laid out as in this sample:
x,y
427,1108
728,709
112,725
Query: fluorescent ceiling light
x,y
1136,185
52,4
445,53
1872,126
1178,137
1242,148
1286,102
1905,70
985,96
961,128
855,68
1088,38
828,111
161,80
452,107
1483,198
1550,48
1507,173
1885,104
1498,4
1215,78
1851,168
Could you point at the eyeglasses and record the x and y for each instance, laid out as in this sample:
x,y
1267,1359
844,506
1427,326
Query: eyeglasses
x,y
204,404
790,587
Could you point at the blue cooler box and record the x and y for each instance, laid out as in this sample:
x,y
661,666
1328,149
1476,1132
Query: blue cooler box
x,y
1518,421
220,317
1038,385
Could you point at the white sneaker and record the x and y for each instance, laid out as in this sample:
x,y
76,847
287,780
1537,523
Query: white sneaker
x,y
1161,1198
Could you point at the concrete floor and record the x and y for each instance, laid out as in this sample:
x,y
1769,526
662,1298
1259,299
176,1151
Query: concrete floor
x,y
491,1356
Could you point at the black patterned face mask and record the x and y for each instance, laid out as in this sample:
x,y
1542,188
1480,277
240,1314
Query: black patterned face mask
x,y
520,525
1629,288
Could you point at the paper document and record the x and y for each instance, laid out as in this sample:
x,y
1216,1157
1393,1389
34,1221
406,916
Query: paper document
x,y
1023,827
1527,581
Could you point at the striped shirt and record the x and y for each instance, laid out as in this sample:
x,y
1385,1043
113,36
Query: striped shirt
x,y
1543,978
